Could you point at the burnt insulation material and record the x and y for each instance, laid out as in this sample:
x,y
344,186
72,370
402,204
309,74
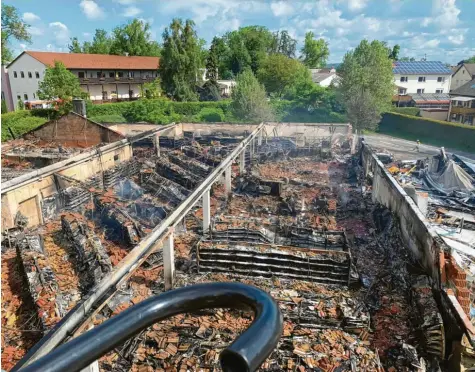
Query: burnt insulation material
x,y
189,163
167,191
177,174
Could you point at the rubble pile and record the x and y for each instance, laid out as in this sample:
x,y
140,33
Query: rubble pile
x,y
123,170
167,191
177,174
92,257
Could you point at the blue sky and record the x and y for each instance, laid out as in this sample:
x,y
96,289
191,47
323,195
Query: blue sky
x,y
441,29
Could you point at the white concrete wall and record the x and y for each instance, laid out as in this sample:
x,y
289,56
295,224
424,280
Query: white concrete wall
x,y
460,78
26,85
6,90
326,82
429,86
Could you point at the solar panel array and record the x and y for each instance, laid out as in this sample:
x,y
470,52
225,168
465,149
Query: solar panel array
x,y
420,67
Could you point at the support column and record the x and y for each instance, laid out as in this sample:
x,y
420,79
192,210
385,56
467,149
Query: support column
x,y
169,262
242,161
206,211
227,180
259,138
157,145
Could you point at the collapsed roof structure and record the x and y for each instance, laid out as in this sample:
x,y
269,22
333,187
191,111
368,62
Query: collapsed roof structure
x,y
278,206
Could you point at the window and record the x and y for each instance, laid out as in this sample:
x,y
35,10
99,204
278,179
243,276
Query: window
x,y
421,79
37,74
111,74
30,75
441,79
420,91
120,74
116,157
403,78
81,75
439,91
402,91
15,75
18,97
25,96
22,74
34,95
130,74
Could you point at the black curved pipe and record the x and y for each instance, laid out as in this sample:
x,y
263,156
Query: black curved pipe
x,y
246,353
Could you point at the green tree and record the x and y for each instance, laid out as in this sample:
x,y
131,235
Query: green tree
x,y
470,60
212,60
12,27
4,107
283,43
20,104
394,53
133,38
314,52
75,46
249,101
366,81
101,43
407,59
59,83
278,72
238,57
151,90
180,60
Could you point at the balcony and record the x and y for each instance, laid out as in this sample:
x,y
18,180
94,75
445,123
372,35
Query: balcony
x,y
462,110
116,80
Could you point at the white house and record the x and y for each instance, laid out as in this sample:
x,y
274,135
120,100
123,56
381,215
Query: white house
x,y
323,76
105,77
462,75
421,77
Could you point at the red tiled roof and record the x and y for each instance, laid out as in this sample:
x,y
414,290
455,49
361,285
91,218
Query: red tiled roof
x,y
97,61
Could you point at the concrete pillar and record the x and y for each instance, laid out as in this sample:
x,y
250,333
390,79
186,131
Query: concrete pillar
x,y
227,180
259,138
169,262
157,144
242,161
206,211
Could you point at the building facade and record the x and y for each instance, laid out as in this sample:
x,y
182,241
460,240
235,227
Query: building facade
x,y
6,90
106,78
324,76
422,77
462,75
462,104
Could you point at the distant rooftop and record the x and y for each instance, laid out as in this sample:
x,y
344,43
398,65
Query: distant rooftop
x,y
421,67
468,89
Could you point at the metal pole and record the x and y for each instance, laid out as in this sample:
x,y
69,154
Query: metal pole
x,y
169,262
206,211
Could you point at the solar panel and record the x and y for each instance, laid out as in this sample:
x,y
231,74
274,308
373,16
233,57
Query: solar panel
x,y
420,67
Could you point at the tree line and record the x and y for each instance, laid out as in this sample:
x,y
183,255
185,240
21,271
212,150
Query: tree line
x,y
266,65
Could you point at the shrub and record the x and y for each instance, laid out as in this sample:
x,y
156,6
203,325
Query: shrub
x,y
4,107
211,115
431,131
413,111
20,122
109,119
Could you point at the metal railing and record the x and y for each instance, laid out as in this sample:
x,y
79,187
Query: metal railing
x,y
246,353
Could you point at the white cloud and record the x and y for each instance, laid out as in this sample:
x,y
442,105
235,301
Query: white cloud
x,y
282,8
355,5
30,17
60,33
131,11
445,13
86,34
91,9
230,25
35,31
23,46
126,2
457,39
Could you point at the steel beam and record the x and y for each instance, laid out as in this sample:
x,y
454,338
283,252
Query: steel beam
x,y
206,211
169,261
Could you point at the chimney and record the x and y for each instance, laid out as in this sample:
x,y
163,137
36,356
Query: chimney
x,y
126,54
79,106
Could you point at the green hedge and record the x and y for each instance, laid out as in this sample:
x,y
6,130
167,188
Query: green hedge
x,y
434,132
108,119
291,111
20,122
413,111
